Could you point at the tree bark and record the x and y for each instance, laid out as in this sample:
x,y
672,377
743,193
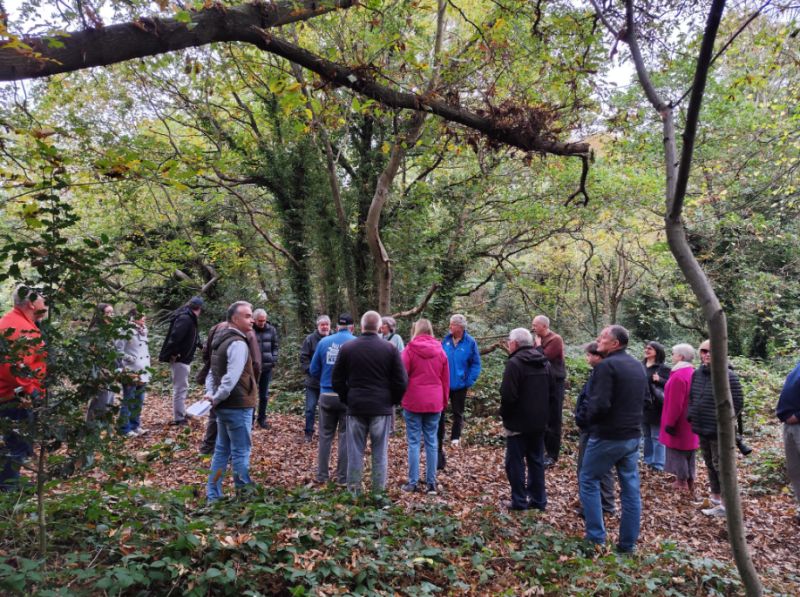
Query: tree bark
x,y
677,176
42,56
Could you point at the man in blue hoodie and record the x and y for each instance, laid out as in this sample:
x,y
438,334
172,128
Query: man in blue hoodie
x,y
464,360
788,412
332,413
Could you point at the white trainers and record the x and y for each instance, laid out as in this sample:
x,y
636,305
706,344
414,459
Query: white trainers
x,y
142,431
718,510
455,442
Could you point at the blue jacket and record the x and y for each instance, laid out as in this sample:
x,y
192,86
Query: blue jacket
x,y
325,358
464,361
789,402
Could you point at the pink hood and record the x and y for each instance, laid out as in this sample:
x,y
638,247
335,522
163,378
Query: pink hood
x,y
428,375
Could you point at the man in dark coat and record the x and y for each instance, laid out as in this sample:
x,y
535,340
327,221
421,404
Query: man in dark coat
x,y
370,379
180,344
528,401
614,417
703,417
312,383
267,336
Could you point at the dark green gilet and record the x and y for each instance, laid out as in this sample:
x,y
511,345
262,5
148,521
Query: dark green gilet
x,y
245,392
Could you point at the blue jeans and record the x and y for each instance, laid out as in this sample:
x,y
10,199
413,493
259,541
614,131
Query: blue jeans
x,y
234,426
16,449
130,411
601,456
312,397
419,426
654,451
263,393
526,451
378,428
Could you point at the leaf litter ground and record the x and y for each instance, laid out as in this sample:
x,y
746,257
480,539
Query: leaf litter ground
x,y
474,480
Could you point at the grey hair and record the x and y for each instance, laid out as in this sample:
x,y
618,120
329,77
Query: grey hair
x,y
521,336
234,308
23,294
459,319
370,321
542,319
620,334
259,312
685,350
323,319
390,322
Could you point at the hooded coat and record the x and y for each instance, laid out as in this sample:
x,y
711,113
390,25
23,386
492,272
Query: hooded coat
x,y
528,396
702,408
676,432
428,375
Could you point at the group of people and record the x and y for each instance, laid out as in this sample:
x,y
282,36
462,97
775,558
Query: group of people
x,y
671,409
357,381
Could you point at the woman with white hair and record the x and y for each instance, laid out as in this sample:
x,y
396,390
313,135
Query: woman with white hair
x,y
388,332
676,431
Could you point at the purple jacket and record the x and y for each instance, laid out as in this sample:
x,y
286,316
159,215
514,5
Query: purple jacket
x,y
428,375
676,407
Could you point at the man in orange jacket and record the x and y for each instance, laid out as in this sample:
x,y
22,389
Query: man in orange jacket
x,y
20,381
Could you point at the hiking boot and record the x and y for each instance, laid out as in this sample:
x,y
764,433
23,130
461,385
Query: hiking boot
x,y
262,423
409,487
431,489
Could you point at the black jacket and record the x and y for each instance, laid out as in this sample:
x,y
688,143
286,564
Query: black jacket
x,y
654,405
369,376
528,398
306,354
182,339
268,345
616,399
702,409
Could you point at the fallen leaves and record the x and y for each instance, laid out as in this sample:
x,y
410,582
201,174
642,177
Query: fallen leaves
x,y
472,486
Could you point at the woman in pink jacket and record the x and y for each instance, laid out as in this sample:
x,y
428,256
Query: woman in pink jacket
x,y
676,432
424,400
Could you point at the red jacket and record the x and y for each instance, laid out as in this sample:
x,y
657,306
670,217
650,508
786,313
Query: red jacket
x,y
12,376
428,375
676,407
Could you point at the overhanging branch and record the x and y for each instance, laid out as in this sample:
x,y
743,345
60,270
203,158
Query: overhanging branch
x,y
42,56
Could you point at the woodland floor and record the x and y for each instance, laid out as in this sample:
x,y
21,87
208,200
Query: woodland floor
x,y
475,478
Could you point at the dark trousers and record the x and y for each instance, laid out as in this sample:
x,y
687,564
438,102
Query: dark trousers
x,y
525,453
457,400
552,437
15,448
210,438
263,393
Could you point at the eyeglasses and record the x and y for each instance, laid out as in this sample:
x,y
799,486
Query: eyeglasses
x,y
704,351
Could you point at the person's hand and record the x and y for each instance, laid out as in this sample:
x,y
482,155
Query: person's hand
x,y
793,420
656,378
173,358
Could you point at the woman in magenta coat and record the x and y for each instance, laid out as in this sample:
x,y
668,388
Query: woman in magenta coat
x,y
676,432
424,400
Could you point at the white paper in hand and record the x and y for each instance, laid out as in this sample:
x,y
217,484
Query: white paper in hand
x,y
199,409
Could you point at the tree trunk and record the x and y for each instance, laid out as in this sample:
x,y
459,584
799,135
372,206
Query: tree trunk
x,y
383,267
676,181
